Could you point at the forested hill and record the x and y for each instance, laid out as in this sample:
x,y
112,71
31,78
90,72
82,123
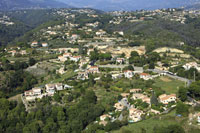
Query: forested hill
x,y
159,31
162,32
24,21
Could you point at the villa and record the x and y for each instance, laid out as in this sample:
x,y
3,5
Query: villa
x,y
93,69
128,73
135,114
165,99
145,76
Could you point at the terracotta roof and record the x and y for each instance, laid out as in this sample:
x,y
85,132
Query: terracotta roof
x,y
128,71
94,67
67,54
144,74
162,98
76,56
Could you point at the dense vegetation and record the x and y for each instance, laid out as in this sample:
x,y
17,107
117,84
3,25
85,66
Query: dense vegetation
x,y
13,80
49,118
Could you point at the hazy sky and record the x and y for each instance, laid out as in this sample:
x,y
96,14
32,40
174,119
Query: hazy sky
x,y
128,4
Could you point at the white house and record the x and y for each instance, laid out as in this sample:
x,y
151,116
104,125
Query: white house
x,y
50,89
37,91
198,117
34,44
89,51
100,33
44,44
165,99
187,66
135,90
128,73
13,52
145,76
93,69
74,36
61,71
29,93
75,58
117,75
23,52
82,75
143,97
120,60
67,55
155,111
83,62
62,59
103,117
32,94
135,114
59,86
119,106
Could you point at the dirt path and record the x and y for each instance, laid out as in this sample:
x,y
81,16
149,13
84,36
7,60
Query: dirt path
x,y
15,98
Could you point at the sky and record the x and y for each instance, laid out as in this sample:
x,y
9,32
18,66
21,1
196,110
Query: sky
x,y
128,4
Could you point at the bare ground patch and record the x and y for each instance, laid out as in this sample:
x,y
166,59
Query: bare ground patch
x,y
165,79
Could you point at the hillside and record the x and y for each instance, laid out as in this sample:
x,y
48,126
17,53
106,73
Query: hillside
x,y
30,4
24,21
162,32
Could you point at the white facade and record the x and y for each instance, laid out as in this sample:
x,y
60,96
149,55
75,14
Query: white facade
x,y
128,74
59,86
50,89
145,76
75,58
135,114
93,69
165,99
44,44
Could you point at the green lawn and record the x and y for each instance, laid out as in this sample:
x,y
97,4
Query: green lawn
x,y
149,124
168,84
67,75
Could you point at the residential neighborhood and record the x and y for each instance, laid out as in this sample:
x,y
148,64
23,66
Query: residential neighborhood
x,y
83,70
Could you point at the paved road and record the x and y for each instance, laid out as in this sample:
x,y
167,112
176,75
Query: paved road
x,y
188,81
192,100
168,110
121,67
113,66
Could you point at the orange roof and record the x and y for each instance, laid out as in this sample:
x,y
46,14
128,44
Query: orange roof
x,y
28,91
77,56
94,67
144,74
167,97
128,71
67,54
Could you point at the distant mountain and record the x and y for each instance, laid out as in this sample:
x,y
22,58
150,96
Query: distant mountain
x,y
111,5
30,4
193,7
